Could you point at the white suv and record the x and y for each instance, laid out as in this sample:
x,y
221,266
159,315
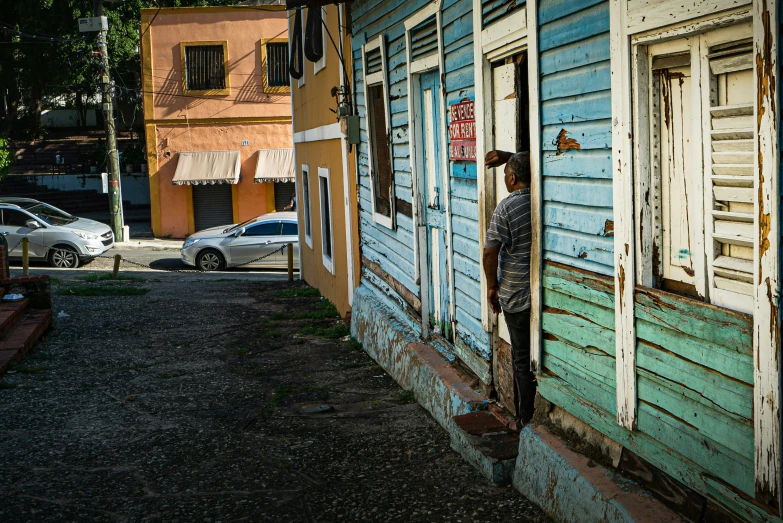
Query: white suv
x,y
63,240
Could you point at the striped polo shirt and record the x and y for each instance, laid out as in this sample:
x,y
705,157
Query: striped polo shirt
x,y
510,230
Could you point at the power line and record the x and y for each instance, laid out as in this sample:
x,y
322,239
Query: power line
x,y
47,38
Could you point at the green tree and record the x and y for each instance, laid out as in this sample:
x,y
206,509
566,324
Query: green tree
x,y
43,55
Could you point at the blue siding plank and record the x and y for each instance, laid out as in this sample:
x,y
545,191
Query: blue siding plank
x,y
578,108
551,10
590,22
577,54
589,220
579,191
584,135
584,246
573,164
588,79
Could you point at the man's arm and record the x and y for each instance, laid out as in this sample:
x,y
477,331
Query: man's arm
x,y
491,255
497,158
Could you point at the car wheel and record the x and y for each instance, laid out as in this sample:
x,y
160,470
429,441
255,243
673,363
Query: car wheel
x,y
210,261
63,257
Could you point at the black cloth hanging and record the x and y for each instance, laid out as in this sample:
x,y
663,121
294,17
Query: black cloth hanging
x,y
314,40
296,65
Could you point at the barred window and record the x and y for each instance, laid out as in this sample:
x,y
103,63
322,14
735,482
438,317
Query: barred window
x,y
277,64
205,67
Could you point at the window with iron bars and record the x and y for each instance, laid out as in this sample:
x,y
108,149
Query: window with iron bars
x,y
277,64
205,67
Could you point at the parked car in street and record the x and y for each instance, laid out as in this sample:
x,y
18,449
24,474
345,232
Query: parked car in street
x,y
244,243
64,240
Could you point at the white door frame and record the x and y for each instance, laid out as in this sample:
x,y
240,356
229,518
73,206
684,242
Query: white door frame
x,y
509,37
414,103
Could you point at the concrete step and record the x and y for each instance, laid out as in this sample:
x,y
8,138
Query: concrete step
x,y
23,336
11,313
486,443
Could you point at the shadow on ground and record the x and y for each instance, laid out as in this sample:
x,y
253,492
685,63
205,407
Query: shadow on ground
x,y
222,400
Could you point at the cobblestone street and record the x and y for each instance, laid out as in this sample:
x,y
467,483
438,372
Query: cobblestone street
x,y
211,399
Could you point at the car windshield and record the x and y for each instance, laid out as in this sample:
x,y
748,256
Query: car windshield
x,y
239,226
51,215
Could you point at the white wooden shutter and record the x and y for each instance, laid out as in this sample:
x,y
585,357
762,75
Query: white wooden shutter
x,y
731,217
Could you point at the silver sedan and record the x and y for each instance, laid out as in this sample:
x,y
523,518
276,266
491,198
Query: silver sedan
x,y
254,243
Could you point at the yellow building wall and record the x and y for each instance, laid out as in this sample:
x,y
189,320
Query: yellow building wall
x,y
311,104
313,100
325,154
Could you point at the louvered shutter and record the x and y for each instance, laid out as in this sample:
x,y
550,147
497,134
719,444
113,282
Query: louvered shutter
x,y
732,134
374,61
424,39
492,10
382,160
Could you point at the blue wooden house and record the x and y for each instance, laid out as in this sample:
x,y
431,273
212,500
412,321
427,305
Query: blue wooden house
x,y
655,281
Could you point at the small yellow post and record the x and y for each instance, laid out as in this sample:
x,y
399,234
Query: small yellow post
x,y
290,262
25,257
117,260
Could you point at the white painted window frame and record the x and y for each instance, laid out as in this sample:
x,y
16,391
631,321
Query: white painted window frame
x,y
505,37
766,404
307,210
321,64
328,261
381,77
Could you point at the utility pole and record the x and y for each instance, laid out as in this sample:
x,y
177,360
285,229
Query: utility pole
x,y
115,203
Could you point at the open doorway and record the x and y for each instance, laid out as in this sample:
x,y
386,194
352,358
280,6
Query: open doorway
x,y
510,132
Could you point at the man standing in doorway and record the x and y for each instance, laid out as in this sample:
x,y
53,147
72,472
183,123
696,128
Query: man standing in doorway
x,y
507,248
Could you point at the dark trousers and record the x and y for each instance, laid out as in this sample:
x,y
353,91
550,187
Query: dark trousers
x,y
524,384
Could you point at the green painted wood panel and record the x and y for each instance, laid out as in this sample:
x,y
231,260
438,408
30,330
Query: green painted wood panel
x,y
658,454
707,322
694,395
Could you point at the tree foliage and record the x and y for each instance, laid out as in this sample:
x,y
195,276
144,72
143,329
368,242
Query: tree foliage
x,y
43,57
6,157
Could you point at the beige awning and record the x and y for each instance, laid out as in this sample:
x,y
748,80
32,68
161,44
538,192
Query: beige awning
x,y
207,168
275,165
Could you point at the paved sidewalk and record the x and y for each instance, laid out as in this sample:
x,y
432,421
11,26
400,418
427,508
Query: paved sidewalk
x,y
199,402
157,244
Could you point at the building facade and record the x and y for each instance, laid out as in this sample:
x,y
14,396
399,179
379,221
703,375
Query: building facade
x,y
326,165
655,270
216,94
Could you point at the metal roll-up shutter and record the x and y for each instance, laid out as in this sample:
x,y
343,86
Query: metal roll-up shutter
x,y
212,206
283,193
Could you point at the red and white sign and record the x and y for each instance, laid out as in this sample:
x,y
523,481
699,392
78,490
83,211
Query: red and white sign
x,y
462,132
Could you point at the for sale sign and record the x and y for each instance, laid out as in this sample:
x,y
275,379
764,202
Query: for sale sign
x,y
462,132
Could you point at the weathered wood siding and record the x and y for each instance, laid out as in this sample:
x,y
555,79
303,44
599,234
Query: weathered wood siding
x,y
694,364
393,250
576,133
694,374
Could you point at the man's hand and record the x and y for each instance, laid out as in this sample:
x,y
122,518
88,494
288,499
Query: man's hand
x,y
494,299
497,158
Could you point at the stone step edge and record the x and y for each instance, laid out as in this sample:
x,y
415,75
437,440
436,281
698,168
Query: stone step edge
x,y
24,336
571,487
10,314
421,369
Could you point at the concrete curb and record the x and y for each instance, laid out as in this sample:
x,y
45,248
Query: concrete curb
x,y
155,245
572,488
420,368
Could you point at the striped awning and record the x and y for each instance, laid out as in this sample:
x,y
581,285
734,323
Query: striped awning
x,y
275,165
207,168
